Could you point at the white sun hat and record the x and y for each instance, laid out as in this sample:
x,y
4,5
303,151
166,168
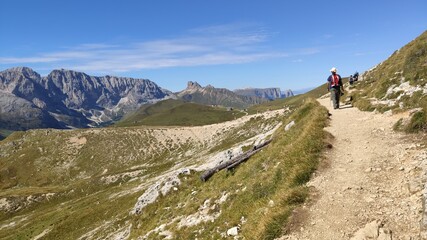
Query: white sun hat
x,y
333,70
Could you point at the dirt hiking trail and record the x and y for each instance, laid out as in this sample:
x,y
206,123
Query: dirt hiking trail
x,y
370,184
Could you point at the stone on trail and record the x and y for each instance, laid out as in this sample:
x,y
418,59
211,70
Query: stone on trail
x,y
372,230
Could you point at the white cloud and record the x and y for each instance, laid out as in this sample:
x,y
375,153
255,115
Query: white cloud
x,y
18,60
224,44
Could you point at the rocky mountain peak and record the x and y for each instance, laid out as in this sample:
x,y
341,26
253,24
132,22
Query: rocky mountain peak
x,y
22,70
70,74
25,71
193,85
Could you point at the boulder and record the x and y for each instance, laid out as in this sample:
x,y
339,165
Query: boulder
x,y
289,126
234,231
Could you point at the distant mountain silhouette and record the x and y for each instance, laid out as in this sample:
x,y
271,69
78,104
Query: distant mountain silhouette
x,y
210,95
267,93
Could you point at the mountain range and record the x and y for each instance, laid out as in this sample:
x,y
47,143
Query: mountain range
x,y
70,99
210,95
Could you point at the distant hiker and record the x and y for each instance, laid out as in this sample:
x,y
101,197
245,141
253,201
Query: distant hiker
x,y
335,87
351,79
355,76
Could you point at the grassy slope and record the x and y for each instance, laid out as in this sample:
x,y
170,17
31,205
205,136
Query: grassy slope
x,y
408,64
48,157
40,162
177,113
263,190
4,133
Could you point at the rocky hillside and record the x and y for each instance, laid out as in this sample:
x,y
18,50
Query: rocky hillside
x,y
397,84
210,95
267,93
69,99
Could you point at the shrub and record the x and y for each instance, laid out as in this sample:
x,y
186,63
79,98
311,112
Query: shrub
x,y
364,105
296,196
398,126
418,123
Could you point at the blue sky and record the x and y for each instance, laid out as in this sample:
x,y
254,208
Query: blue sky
x,y
225,43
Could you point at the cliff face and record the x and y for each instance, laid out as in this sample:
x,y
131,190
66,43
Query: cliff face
x,y
267,93
287,93
67,99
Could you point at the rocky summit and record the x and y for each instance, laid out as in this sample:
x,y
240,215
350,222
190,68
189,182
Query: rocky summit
x,y
69,99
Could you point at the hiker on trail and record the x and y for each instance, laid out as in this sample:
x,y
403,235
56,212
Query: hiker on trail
x,y
351,79
356,76
336,88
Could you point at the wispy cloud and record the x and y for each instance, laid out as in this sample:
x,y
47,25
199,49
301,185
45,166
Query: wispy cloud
x,y
19,60
297,61
224,44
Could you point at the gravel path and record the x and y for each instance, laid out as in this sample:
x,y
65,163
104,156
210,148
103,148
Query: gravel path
x,y
372,185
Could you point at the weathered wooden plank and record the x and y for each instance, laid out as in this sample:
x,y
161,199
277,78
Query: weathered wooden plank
x,y
234,161
243,159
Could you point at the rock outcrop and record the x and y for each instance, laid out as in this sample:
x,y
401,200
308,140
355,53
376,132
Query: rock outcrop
x,y
69,99
373,230
266,93
287,93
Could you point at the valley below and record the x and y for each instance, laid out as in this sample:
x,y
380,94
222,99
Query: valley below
x,y
92,183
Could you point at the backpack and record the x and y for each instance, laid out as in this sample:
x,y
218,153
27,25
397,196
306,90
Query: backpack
x,y
335,82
